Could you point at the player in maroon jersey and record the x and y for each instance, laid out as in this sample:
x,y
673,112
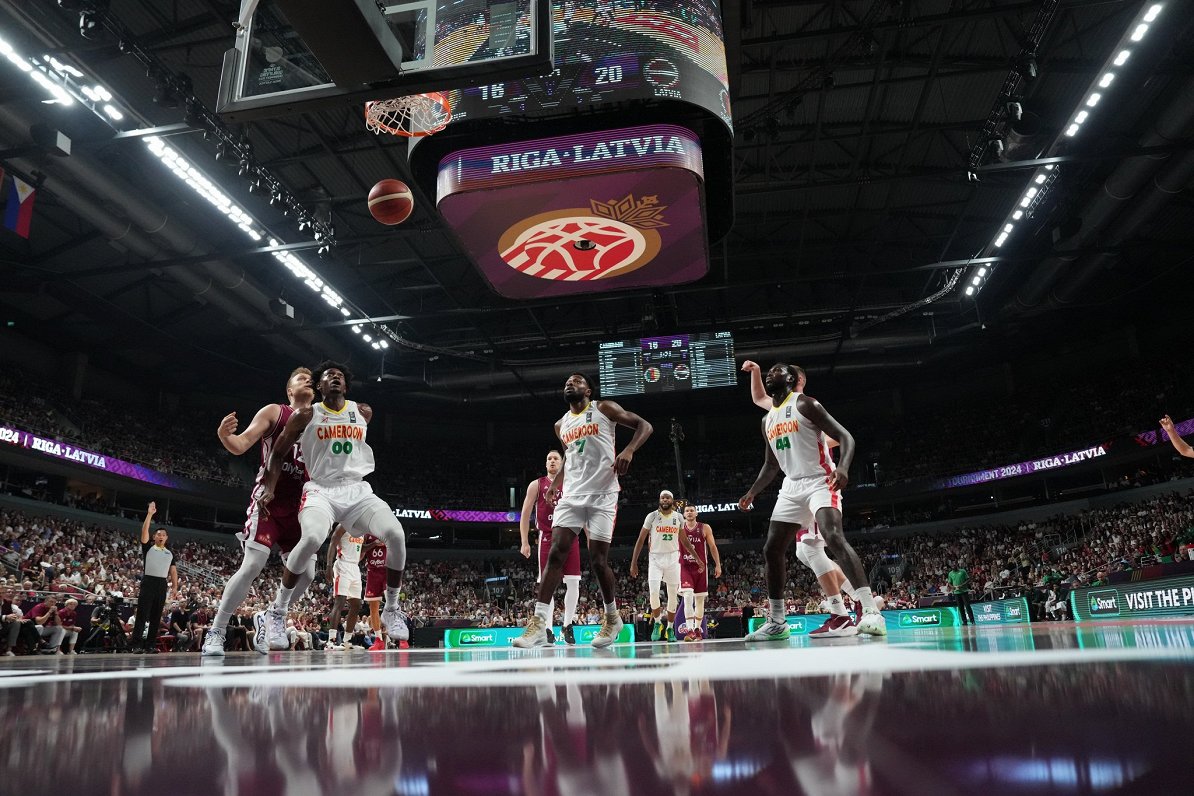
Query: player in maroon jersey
x,y
262,531
375,587
694,580
538,499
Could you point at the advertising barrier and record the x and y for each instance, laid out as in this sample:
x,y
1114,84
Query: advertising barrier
x,y
469,637
912,619
1001,612
1169,597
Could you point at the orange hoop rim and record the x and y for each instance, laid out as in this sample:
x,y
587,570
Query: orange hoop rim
x,y
392,114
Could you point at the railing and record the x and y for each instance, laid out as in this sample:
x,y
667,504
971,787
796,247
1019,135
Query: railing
x,y
200,571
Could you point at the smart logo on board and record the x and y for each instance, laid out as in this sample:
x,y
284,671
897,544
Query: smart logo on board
x,y
485,638
1104,603
920,619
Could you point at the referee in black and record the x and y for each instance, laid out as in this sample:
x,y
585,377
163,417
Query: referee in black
x,y
159,565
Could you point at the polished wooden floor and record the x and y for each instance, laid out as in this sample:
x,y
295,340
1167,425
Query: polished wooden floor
x,y
1046,709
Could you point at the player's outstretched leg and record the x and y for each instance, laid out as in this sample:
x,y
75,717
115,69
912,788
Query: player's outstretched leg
x,y
316,524
830,522
235,591
537,627
382,523
775,549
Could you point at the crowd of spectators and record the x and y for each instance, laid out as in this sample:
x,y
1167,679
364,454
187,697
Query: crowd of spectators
x,y
89,564
1039,418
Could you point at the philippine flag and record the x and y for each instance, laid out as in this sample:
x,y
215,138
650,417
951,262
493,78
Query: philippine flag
x,y
18,210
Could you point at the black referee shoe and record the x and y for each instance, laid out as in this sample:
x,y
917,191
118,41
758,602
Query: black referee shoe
x,y
569,634
551,637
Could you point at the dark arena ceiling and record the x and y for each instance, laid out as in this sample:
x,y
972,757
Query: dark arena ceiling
x,y
868,191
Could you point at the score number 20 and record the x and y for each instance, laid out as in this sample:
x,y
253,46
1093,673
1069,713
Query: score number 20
x,y
608,74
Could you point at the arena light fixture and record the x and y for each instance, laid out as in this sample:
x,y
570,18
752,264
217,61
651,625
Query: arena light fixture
x,y
198,182
1044,178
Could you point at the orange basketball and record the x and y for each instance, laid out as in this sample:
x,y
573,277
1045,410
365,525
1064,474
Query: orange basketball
x,y
391,202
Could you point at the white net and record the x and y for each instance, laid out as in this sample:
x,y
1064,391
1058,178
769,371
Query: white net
x,y
413,116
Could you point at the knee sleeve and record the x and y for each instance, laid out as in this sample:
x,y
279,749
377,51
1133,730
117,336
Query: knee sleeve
x,y
700,606
802,554
816,559
385,526
653,592
671,599
316,525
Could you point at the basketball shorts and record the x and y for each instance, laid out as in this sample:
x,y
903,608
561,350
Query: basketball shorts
x,y
347,580
571,564
691,580
663,567
375,583
595,513
347,503
279,527
801,498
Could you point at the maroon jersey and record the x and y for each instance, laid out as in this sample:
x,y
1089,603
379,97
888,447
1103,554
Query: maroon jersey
x,y
377,555
696,537
544,509
289,489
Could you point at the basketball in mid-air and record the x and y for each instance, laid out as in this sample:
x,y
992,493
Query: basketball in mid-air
x,y
391,202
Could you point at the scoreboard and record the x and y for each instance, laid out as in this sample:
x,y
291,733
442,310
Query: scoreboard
x,y
667,364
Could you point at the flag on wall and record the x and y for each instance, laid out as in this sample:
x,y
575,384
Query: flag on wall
x,y
18,210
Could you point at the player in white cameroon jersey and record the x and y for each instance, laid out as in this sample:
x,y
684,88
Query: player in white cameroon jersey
x,y
589,484
794,433
332,438
833,582
663,527
344,573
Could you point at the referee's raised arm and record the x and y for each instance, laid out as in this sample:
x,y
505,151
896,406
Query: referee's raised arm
x,y
152,510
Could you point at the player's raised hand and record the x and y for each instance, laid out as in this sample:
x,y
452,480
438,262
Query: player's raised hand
x,y
838,480
152,510
622,463
227,426
746,502
1167,424
751,367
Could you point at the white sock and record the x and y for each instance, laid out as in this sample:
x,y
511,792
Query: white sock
x,y
392,595
544,611
836,606
849,589
282,601
777,610
611,607
571,598
864,596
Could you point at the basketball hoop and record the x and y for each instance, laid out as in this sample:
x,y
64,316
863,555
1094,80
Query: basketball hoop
x,y
410,117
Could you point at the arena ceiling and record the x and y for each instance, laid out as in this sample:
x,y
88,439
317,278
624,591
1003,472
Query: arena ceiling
x,y
864,176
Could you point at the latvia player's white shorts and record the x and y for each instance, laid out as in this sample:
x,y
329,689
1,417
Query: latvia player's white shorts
x,y
664,567
346,504
595,513
801,498
348,580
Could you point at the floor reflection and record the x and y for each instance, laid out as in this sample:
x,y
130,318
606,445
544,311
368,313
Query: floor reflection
x,y
1057,729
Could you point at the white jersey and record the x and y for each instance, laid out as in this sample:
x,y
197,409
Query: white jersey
x,y
334,447
665,531
800,447
349,551
588,438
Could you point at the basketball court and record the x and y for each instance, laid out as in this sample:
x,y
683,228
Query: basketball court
x,y
1047,708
